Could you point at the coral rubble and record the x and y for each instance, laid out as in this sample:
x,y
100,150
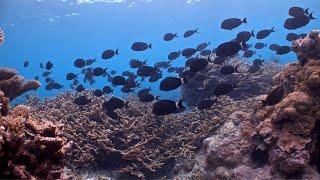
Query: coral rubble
x,y
13,85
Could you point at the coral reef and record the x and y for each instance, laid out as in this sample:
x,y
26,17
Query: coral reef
x,y
29,148
13,85
139,144
201,86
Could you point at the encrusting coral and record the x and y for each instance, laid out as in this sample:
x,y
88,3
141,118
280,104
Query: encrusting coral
x,y
13,85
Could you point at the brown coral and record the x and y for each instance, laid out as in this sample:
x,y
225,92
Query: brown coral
x,y
4,104
14,85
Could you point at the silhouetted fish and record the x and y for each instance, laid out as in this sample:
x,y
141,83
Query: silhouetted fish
x,y
189,33
147,97
82,100
248,53
166,107
146,71
283,50
198,64
79,63
244,36
49,65
226,70
135,63
140,46
71,76
107,90
170,36
108,54
274,47
229,48
99,71
26,63
264,33
223,89
98,92
171,83
292,37
205,52
219,60
232,23
206,104
297,11
275,96
174,55
114,103
188,52
203,46
260,45
80,88
118,80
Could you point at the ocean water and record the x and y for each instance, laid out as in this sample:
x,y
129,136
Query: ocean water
x,y
64,30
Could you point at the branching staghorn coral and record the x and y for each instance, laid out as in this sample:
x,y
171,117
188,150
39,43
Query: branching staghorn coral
x,y
13,85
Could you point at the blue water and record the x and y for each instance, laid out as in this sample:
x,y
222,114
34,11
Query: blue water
x,y
63,30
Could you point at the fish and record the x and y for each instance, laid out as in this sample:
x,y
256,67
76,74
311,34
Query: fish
x,y
171,69
53,85
46,73
147,97
49,65
75,82
108,54
125,89
172,83
107,89
264,33
198,64
143,91
82,100
223,89
140,46
41,66
292,37
283,50
244,36
219,60
162,64
118,80
98,92
79,63
155,77
129,74
48,79
232,23
114,103
298,22
190,33
113,115
254,69
229,48
166,107
206,104
71,76
205,52
202,46
226,70
187,74
297,11
188,61
274,97
90,61
1,36
170,36
179,70
36,78
135,63
260,45
113,72
303,35
274,47
146,71
248,53
257,62
80,88
188,52
174,55
99,71
26,63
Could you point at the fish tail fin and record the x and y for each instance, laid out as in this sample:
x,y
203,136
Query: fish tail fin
x,y
117,52
244,20
184,80
144,62
176,35
157,97
311,16
252,33
254,52
180,105
150,46
307,11
196,30
126,104
272,29
209,43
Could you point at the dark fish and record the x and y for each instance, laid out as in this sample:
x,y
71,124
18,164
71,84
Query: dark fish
x,y
188,52
303,35
75,82
107,90
98,92
53,85
223,89
146,71
189,33
198,64
283,50
179,70
114,103
292,37
298,22
108,54
162,64
46,73
188,61
90,61
125,89
244,36
166,107
274,97
80,88
264,33
203,46
297,11
226,70
41,66
113,72
147,97
118,80
170,36
112,114
254,69
82,100
232,23
187,74
129,74
49,65
274,47
48,79
171,69
248,53
140,46
155,77
229,48
219,60
99,71
206,104
36,78
26,63
257,62
135,63
71,76
171,83
143,91
260,45
79,63
174,55
205,52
